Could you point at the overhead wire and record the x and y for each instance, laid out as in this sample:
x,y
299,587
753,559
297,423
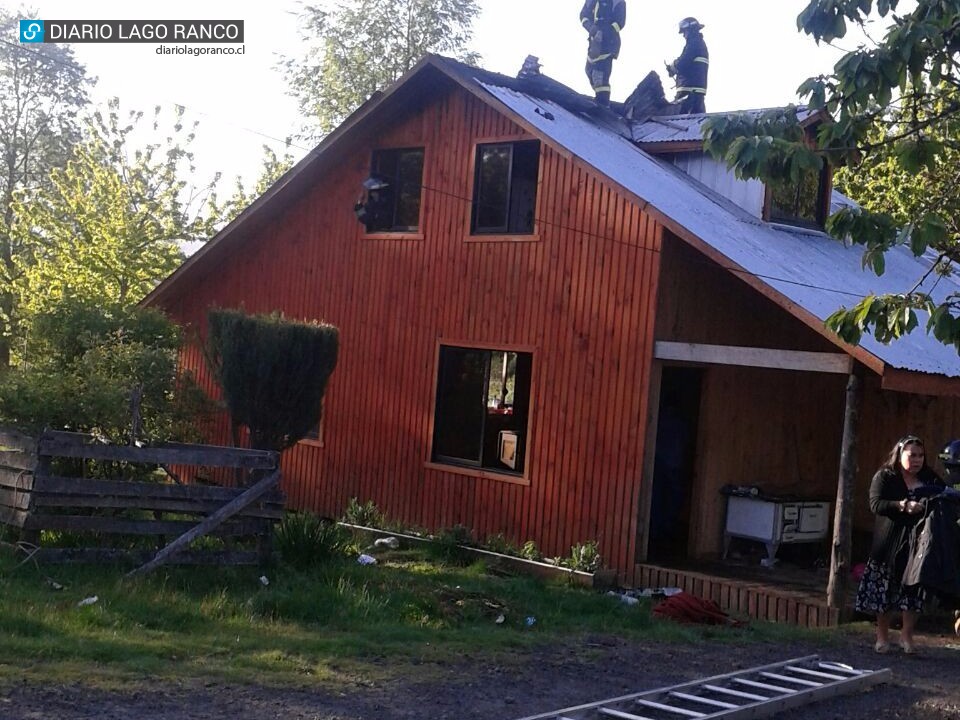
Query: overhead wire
x,y
539,220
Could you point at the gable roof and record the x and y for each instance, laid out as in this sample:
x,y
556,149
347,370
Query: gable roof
x,y
806,272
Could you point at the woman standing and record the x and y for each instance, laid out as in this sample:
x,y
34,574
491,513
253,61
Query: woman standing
x,y
893,500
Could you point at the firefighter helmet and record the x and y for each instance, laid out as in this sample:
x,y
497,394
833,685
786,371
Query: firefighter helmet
x,y
950,455
689,23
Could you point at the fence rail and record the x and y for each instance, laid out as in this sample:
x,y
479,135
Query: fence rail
x,y
34,498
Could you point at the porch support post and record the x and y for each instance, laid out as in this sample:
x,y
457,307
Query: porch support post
x,y
842,525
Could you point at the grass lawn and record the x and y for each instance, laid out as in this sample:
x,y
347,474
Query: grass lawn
x,y
335,621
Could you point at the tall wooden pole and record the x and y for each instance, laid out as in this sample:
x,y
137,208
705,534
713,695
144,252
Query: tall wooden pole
x,y
842,518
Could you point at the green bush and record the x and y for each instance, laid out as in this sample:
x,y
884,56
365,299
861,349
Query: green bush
x,y
273,372
530,551
80,365
586,557
447,546
364,514
304,539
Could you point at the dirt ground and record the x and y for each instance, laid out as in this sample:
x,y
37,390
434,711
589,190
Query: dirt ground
x,y
924,686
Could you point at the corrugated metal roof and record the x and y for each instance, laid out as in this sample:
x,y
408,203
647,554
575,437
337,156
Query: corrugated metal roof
x,y
689,128
808,268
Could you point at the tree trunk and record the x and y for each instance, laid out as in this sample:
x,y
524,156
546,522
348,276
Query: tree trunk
x,y
842,527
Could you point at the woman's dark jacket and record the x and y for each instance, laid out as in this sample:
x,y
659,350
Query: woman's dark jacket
x,y
934,560
892,525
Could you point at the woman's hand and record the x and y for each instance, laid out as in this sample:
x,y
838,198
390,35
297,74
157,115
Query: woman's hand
x,y
911,507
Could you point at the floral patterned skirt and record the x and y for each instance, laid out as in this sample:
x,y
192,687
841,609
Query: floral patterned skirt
x,y
879,592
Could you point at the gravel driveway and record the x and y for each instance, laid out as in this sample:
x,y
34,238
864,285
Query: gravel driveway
x,y
924,687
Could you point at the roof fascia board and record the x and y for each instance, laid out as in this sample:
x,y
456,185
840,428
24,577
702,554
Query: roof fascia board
x,y
919,383
662,147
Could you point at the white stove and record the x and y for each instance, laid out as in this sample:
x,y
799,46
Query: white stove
x,y
775,521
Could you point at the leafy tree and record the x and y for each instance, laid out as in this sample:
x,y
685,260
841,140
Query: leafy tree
x,y
83,360
273,372
108,226
273,169
361,46
42,90
896,111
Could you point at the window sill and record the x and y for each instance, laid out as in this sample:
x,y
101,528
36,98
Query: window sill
x,y
392,236
534,237
479,473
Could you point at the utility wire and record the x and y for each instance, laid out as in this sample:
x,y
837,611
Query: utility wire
x,y
542,221
539,220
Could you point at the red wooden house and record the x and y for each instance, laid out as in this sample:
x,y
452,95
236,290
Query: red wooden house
x,y
535,289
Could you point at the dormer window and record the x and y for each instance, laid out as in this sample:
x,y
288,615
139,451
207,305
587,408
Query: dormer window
x,y
805,203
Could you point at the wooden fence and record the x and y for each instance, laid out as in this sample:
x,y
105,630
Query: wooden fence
x,y
34,498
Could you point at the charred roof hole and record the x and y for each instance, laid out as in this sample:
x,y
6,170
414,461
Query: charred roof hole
x,y
546,113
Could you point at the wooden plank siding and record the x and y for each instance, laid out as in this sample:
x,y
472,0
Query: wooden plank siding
x,y
581,292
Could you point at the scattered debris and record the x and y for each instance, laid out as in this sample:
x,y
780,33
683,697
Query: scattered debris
x,y
387,542
648,99
88,601
500,619
625,598
530,621
264,580
367,560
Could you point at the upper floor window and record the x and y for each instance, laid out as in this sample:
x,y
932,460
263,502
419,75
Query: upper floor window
x,y
483,400
394,188
804,203
505,188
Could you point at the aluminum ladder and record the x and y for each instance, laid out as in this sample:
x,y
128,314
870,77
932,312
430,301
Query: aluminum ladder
x,y
755,693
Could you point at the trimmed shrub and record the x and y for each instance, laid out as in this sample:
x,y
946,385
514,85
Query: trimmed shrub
x,y
273,372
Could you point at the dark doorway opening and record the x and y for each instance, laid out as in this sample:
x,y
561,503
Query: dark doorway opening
x,y
673,466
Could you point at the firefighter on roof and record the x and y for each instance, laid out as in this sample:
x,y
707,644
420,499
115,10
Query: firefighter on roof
x,y
603,20
690,69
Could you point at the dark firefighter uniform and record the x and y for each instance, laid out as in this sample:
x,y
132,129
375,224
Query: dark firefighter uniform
x,y
690,69
603,20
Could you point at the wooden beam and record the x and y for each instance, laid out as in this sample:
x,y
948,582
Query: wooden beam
x,y
262,509
919,383
248,497
112,555
13,440
55,485
842,517
649,457
17,460
123,526
839,363
79,445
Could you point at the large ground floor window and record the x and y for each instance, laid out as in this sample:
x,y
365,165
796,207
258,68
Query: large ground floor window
x,y
483,400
